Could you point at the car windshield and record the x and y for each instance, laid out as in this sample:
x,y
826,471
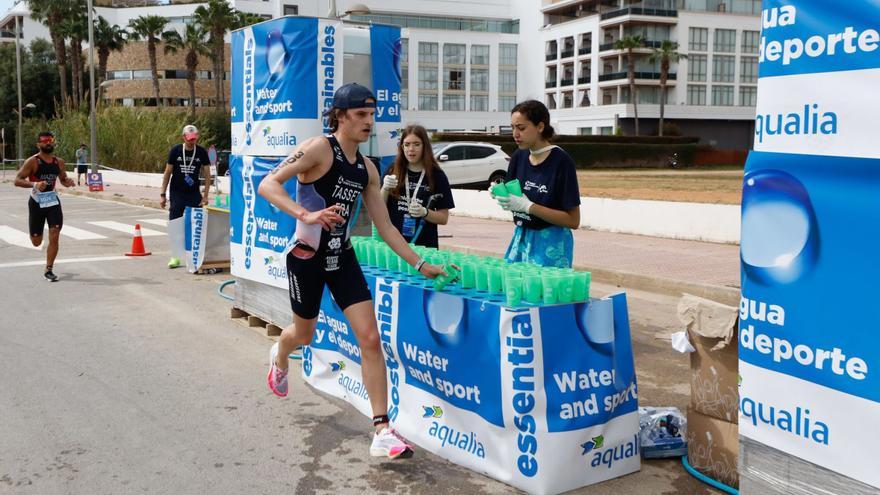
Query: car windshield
x,y
436,147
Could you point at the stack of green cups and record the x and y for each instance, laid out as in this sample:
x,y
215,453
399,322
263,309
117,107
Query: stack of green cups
x,y
442,281
581,286
495,274
533,288
468,273
514,188
549,281
500,190
513,288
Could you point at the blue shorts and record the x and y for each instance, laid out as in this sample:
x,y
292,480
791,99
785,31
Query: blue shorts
x,y
551,246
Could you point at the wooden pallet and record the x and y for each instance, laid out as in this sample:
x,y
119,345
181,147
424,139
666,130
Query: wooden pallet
x,y
258,324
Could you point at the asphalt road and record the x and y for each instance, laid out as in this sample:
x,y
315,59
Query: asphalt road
x,y
126,377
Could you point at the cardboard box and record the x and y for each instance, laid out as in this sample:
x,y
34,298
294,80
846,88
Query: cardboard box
x,y
715,378
713,447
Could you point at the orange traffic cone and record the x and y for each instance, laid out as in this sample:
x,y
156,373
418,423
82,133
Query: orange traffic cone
x,y
137,243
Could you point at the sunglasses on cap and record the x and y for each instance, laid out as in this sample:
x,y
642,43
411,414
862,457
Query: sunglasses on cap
x,y
46,139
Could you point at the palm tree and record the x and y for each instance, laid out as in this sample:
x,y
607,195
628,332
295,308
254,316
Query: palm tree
x,y
194,44
150,27
217,18
668,52
245,19
52,13
107,39
630,43
75,28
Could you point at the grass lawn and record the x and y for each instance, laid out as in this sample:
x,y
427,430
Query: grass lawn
x,y
721,185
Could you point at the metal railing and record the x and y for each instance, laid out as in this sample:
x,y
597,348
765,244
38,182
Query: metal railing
x,y
638,11
585,50
567,53
550,84
551,56
567,82
584,80
655,76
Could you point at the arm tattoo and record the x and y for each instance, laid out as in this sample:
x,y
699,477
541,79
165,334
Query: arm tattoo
x,y
289,161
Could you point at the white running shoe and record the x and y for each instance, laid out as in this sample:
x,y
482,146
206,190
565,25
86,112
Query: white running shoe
x,y
389,443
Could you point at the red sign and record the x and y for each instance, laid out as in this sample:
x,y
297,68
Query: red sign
x,y
96,182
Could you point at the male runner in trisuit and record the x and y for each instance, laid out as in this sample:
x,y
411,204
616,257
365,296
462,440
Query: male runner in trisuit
x,y
39,174
331,175
185,163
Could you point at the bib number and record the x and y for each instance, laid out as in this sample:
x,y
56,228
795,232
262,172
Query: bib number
x,y
46,198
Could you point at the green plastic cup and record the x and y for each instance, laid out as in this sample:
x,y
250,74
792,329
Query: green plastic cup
x,y
533,288
375,232
370,251
549,281
500,190
468,274
581,287
442,281
481,276
496,279
564,288
514,188
513,289
380,256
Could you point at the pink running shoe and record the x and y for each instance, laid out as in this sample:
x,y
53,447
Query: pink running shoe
x,y
389,443
277,378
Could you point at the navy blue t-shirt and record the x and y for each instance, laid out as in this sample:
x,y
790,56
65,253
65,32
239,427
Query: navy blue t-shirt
x,y
553,183
180,187
397,207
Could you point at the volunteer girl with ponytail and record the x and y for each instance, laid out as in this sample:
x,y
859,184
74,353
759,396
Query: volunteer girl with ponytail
x,y
549,208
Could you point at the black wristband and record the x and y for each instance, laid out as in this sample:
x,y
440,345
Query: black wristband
x,y
378,420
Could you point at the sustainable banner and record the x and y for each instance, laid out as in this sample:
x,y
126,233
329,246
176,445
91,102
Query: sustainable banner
x,y
525,396
809,346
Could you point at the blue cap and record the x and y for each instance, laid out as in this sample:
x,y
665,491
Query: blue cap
x,y
352,95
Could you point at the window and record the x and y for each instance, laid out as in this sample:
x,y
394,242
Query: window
x,y
404,77
427,53
606,130
453,54
722,96
506,103
291,10
479,103
722,68
142,74
751,40
404,100
697,67
428,78
748,96
427,102
506,54
507,81
120,74
453,103
404,50
585,131
175,74
479,54
203,74
479,79
551,101
696,94
477,152
585,99
699,39
567,99
454,79
748,71
455,153
725,40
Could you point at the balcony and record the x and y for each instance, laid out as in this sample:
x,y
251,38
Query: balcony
x,y
648,44
567,53
638,11
584,80
567,82
550,84
652,76
585,50
551,56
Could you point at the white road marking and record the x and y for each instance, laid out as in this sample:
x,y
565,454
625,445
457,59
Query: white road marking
x,y
18,238
79,234
127,228
162,222
64,261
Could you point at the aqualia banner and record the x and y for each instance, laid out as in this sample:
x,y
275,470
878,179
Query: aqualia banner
x,y
809,341
284,74
259,233
544,399
385,50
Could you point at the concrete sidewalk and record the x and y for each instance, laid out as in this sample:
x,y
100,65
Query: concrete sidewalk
x,y
652,264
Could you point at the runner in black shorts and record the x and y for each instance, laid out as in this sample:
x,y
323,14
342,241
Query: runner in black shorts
x,y
39,173
331,176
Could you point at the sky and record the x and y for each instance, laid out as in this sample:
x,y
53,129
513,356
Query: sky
x,y
5,5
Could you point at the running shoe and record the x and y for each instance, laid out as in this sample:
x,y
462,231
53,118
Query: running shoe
x,y
51,277
389,443
277,378
173,262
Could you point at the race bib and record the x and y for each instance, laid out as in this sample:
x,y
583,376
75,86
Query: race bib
x,y
409,226
46,198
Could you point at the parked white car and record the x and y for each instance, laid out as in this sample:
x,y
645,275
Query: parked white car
x,y
471,164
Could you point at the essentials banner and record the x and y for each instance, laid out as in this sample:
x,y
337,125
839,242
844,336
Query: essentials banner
x,y
284,74
259,233
526,396
385,55
810,359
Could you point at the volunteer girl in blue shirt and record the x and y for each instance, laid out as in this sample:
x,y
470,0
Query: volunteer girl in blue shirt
x,y
550,205
415,190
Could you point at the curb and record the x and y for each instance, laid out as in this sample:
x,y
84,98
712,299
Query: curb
x,y
148,203
620,278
